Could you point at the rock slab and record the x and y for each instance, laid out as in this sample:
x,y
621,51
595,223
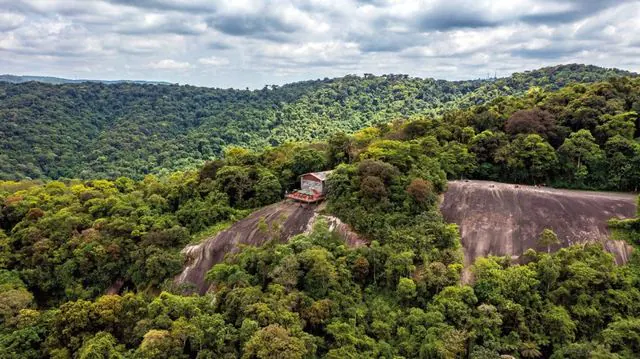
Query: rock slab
x,y
505,219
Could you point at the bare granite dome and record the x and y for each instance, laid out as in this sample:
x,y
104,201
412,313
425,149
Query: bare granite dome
x,y
505,219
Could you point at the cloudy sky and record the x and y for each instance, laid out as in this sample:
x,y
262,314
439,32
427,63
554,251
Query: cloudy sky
x,y
250,43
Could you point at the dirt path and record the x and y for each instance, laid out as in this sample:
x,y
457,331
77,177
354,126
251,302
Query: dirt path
x,y
506,220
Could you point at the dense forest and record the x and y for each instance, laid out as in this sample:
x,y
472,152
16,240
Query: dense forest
x,y
94,130
65,244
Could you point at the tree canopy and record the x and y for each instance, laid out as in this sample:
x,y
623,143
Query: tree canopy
x,y
93,130
87,265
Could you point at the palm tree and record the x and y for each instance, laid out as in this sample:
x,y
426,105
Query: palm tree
x,y
530,350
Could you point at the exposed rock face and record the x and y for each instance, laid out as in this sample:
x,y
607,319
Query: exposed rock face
x,y
292,219
506,220
494,219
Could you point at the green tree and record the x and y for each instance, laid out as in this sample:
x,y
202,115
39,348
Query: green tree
x,y
100,346
456,160
13,296
622,124
274,342
406,289
548,238
308,160
623,336
160,344
267,189
558,324
583,154
529,157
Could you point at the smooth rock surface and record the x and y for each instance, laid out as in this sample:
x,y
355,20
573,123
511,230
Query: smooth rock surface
x,y
292,218
494,219
505,219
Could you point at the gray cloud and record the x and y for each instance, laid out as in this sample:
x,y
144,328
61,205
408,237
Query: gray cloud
x,y
173,5
252,26
10,21
216,45
179,26
454,15
576,10
386,44
252,42
547,53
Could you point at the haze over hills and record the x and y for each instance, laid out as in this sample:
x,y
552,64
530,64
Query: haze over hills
x,y
16,79
91,130
59,80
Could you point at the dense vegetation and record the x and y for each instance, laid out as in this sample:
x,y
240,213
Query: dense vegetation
x,y
584,136
73,240
94,130
63,244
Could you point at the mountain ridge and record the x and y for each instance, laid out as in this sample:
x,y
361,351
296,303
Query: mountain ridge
x,y
93,130
54,80
16,79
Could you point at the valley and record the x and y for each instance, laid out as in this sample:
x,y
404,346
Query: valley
x,y
95,130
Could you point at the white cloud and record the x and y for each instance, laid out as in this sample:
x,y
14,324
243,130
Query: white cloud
x,y
213,61
10,21
252,42
169,64
312,53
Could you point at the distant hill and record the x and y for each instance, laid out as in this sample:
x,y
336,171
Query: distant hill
x,y
58,81
93,130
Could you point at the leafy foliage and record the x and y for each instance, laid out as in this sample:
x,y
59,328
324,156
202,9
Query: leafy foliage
x,y
93,130
582,136
73,240
64,244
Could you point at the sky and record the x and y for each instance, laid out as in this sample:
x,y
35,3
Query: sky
x,y
250,43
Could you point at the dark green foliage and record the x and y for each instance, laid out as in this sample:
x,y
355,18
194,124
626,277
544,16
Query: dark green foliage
x,y
534,139
93,130
64,243
73,240
574,303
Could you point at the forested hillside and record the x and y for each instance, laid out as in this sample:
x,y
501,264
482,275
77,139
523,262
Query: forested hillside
x,y
64,244
93,130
